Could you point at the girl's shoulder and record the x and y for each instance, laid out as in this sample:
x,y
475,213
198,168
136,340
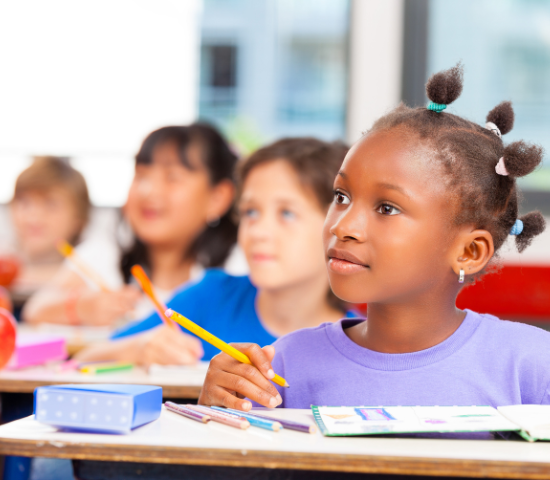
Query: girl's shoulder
x,y
216,285
512,329
517,338
218,278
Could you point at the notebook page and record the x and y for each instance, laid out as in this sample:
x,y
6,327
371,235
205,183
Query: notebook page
x,y
390,420
534,419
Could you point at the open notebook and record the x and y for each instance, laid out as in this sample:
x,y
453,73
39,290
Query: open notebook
x,y
532,422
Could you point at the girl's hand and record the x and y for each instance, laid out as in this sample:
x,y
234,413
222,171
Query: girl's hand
x,y
165,345
228,381
104,308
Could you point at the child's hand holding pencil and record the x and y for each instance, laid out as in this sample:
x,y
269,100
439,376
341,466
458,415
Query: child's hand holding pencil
x,y
228,381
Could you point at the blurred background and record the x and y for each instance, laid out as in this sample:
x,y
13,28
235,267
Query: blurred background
x,y
89,80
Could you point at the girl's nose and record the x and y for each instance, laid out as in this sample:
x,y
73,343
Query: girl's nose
x,y
149,186
262,227
350,225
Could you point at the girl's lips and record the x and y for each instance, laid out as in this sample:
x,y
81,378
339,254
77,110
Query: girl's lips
x,y
262,258
343,267
150,214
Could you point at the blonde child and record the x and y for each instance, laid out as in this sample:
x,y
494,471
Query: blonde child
x,y
50,202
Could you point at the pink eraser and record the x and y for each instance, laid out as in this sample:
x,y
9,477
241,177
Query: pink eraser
x,y
169,312
37,349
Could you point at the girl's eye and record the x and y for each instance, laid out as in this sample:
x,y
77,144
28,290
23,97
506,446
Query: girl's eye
x,y
288,215
341,199
251,213
386,209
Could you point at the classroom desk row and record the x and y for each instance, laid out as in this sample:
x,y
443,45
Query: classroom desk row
x,y
180,382
173,439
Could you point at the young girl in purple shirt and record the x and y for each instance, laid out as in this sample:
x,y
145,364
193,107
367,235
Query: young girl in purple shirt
x,y
422,204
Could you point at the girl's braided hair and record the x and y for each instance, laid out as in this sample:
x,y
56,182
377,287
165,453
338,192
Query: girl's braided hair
x,y
469,154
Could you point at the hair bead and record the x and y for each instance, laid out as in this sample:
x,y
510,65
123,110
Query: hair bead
x,y
436,107
517,228
493,128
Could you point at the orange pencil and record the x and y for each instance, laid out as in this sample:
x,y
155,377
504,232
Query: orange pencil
x,y
146,285
68,252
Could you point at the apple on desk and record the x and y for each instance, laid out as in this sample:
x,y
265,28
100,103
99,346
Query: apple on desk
x,y
8,332
9,268
5,300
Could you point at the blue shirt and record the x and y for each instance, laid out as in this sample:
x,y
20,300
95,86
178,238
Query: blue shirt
x,y
220,303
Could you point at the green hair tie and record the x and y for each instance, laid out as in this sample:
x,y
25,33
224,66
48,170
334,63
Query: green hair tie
x,y
436,107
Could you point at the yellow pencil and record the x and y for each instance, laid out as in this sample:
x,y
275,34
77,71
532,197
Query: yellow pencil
x,y
212,340
68,252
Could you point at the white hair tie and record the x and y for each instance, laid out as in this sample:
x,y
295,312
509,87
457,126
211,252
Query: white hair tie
x,y
501,168
491,126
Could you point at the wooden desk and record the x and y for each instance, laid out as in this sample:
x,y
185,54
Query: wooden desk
x,y
185,383
173,439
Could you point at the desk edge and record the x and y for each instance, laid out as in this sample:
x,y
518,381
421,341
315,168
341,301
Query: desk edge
x,y
277,460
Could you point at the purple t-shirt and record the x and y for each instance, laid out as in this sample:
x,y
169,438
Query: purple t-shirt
x,y
487,361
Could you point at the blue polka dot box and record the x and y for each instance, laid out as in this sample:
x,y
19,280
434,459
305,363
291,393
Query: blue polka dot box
x,y
102,408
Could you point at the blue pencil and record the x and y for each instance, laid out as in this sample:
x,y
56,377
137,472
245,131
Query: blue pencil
x,y
252,419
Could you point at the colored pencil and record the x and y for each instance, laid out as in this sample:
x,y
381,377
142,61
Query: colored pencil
x,y
106,368
186,412
224,347
300,427
67,365
221,417
275,426
147,287
69,253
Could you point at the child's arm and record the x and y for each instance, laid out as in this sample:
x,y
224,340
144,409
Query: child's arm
x,y
67,299
228,381
162,345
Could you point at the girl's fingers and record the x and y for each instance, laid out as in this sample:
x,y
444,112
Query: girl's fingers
x,y
258,357
181,341
240,384
222,398
171,354
253,375
269,350
190,344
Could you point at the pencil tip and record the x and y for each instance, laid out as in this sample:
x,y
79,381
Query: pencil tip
x,y
287,385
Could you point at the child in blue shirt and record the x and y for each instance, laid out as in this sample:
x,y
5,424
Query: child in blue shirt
x,y
421,204
284,192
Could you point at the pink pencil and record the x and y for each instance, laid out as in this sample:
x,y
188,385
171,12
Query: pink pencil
x,y
186,412
221,417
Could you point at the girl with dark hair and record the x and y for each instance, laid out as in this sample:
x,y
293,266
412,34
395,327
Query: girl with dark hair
x,y
421,204
177,208
284,191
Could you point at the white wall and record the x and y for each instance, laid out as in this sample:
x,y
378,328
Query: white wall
x,y
90,79
376,51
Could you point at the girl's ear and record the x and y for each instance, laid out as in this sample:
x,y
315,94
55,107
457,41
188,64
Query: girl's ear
x,y
474,250
221,198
